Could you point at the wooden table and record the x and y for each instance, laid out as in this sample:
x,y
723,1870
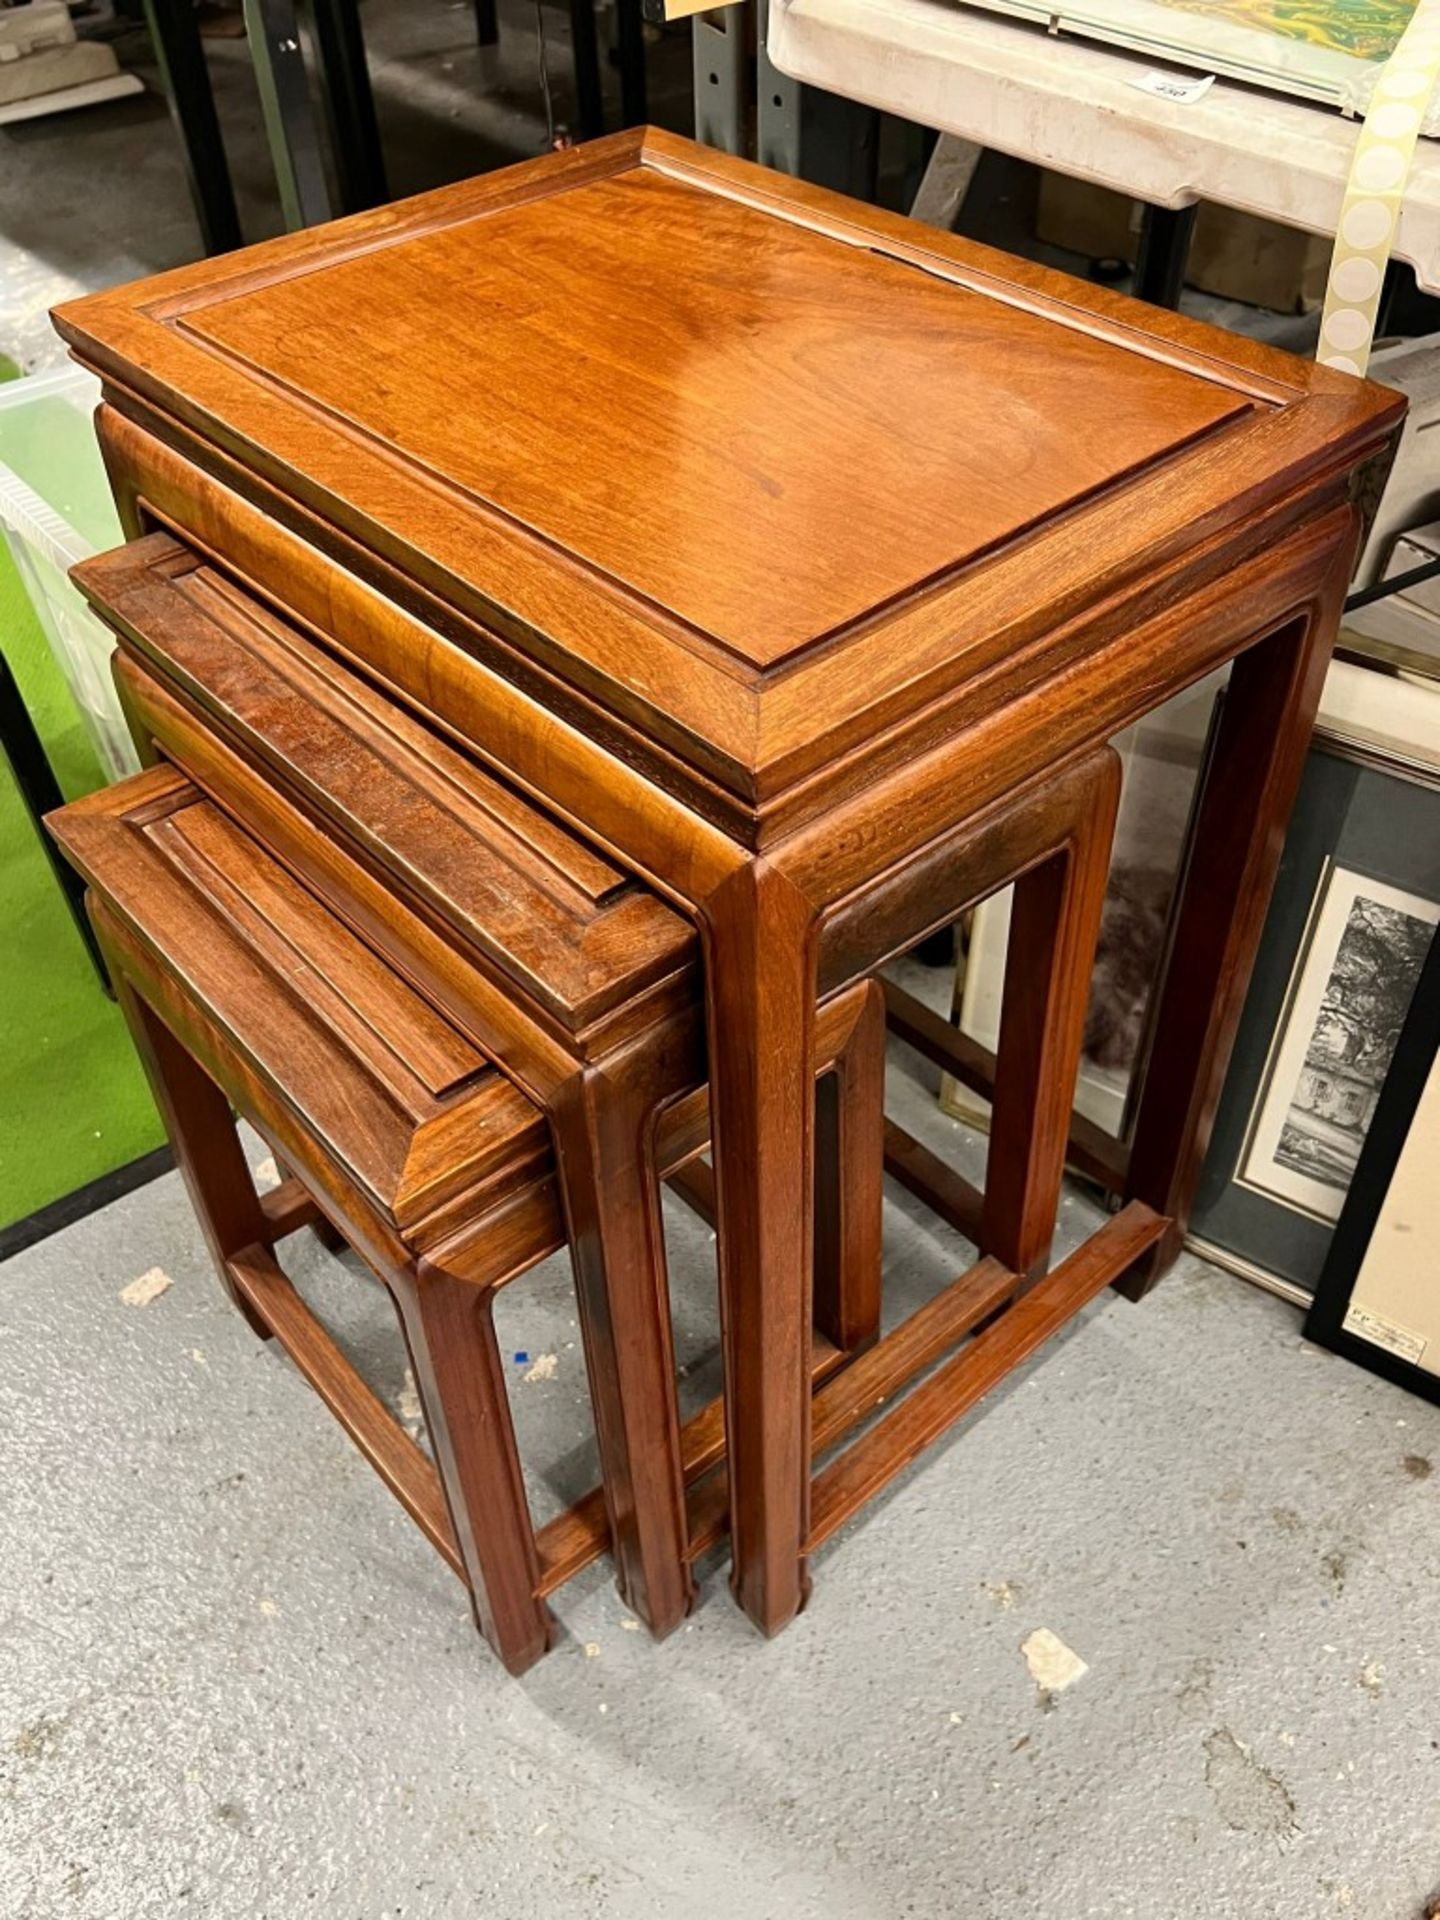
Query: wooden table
x,y
773,541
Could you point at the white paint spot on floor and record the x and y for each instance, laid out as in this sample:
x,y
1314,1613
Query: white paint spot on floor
x,y
267,1174
1372,1677
630,1626
592,1650
542,1367
148,1287
268,1608
1053,1666
1002,1592
407,1401
198,1357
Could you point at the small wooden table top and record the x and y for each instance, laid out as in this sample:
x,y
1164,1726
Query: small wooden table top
x,y
769,538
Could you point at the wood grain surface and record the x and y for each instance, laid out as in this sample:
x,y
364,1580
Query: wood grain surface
x,y
645,375
739,463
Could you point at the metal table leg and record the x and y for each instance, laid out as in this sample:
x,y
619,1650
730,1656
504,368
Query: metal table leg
x,y
354,130
630,35
41,794
290,130
1165,234
176,40
585,42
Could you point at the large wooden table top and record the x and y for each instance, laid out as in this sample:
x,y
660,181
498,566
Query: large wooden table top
x,y
753,473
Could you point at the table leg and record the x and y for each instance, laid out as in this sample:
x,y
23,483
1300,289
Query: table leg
x,y
760,1006
585,50
1165,235
605,1142
850,1183
350,102
630,47
1250,785
450,1335
175,37
207,1148
1054,927
273,30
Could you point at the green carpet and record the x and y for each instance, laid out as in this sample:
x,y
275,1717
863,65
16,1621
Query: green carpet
x,y
73,1102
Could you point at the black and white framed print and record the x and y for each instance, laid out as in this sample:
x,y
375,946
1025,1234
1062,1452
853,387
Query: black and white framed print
x,y
1378,1299
1359,959
1351,922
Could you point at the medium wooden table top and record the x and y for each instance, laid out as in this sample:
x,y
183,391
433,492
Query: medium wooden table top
x,y
753,472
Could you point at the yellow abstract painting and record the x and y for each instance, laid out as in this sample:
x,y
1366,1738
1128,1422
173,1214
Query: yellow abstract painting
x,y
1365,29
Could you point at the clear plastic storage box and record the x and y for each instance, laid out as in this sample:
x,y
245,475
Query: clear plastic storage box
x,y
55,509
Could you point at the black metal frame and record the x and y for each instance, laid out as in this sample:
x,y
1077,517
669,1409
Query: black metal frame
x,y
1394,583
1372,813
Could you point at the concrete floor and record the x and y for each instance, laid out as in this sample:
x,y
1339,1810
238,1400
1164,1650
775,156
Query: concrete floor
x,y
236,1682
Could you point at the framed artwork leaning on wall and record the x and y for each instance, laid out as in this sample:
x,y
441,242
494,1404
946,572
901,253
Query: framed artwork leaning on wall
x,y
1352,920
1378,1299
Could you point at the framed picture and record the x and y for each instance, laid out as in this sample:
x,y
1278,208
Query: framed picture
x,y
1327,50
1358,963
1378,1299
1351,922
